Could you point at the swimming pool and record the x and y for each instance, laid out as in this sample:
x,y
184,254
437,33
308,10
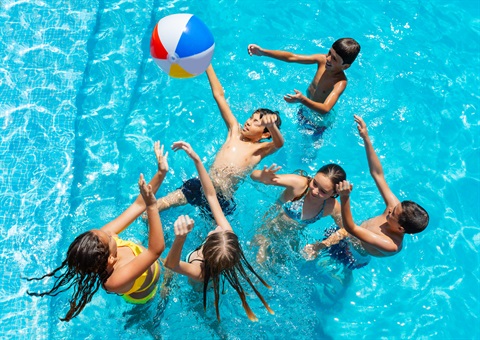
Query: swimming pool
x,y
82,103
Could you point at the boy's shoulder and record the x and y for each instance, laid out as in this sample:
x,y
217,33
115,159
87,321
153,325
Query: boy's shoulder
x,y
320,57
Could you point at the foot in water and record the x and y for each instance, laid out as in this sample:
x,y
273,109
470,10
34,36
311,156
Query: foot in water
x,y
263,243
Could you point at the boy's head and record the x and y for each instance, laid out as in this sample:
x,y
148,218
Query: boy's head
x,y
413,218
252,128
347,49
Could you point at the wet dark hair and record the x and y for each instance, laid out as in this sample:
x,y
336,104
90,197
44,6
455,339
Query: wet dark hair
x,y
335,173
263,112
347,48
413,218
84,268
223,258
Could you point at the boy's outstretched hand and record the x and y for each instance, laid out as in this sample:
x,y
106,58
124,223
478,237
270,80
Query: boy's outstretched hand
x,y
344,188
161,158
254,50
361,126
294,98
146,192
181,145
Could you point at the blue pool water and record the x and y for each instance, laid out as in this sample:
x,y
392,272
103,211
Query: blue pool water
x,y
82,102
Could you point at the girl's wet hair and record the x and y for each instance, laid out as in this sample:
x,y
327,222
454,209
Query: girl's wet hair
x,y
224,258
335,173
84,269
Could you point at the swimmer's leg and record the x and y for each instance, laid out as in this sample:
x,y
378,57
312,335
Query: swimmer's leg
x,y
166,283
263,244
174,199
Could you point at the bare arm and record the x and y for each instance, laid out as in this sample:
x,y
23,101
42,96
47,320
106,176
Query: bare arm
x,y
286,56
207,185
322,108
219,96
311,250
378,241
183,225
138,206
268,121
374,165
277,137
123,277
294,184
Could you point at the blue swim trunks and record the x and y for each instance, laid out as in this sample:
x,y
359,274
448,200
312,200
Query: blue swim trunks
x,y
192,190
346,252
314,123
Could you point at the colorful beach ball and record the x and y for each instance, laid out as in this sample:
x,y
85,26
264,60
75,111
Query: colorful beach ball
x,y
182,45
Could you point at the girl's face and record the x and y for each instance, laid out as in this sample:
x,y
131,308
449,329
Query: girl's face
x,y
321,187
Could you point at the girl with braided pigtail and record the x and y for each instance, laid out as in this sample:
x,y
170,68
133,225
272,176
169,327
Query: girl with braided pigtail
x,y
98,258
220,257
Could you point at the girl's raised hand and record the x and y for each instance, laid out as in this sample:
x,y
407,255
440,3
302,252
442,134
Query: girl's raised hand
x,y
161,158
361,126
146,192
183,225
181,145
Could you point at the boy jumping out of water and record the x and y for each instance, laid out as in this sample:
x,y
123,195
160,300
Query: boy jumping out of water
x,y
240,153
382,235
329,81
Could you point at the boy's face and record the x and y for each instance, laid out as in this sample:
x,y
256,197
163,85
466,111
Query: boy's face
x,y
252,129
334,61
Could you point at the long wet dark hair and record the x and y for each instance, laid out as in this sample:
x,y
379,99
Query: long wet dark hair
x,y
84,268
223,258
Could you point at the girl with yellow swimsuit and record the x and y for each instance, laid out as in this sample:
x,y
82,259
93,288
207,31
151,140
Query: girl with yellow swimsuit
x,y
98,258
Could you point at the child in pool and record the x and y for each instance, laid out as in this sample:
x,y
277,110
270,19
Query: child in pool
x,y
240,153
382,235
220,255
329,81
99,258
304,201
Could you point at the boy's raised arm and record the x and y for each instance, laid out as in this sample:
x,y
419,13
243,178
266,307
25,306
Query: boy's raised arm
x,y
374,165
286,56
378,241
277,137
277,142
219,96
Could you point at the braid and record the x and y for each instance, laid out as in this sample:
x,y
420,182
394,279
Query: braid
x,y
85,268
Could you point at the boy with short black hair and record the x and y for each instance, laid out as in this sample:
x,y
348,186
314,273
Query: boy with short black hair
x,y
381,235
329,81
242,151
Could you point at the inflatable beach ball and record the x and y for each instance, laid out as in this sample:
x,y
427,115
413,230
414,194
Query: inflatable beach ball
x,y
182,45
